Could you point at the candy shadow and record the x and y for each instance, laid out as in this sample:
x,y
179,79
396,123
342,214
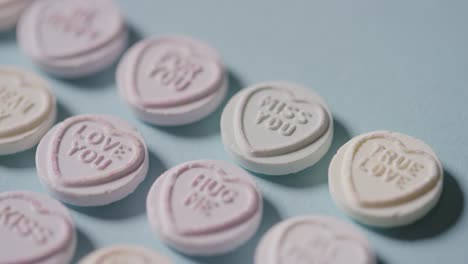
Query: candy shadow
x,y
63,112
270,217
210,124
27,158
317,174
381,260
8,36
21,160
441,218
132,205
84,246
105,78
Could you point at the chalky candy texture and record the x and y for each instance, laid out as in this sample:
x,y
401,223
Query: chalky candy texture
x,y
10,11
92,160
385,178
27,109
34,229
313,239
276,128
72,38
124,254
171,80
204,207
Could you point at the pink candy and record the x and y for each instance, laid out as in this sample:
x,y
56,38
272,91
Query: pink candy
x,y
92,160
72,38
34,229
204,207
171,80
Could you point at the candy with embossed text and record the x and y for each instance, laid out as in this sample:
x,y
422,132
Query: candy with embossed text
x,y
27,109
35,229
171,80
72,38
385,178
204,207
276,128
124,254
91,160
313,239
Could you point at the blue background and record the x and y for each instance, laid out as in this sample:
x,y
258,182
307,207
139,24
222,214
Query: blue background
x,y
399,65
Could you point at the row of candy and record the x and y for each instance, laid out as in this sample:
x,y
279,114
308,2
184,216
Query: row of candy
x,y
209,207
38,229
202,207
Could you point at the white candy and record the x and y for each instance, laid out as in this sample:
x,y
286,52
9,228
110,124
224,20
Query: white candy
x,y
313,239
385,179
124,255
276,128
27,110
10,11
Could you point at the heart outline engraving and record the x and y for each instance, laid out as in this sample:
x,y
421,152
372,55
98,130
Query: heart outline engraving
x,y
186,96
168,219
412,193
98,178
40,16
279,241
292,145
51,249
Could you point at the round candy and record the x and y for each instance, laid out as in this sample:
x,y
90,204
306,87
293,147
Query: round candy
x,y
385,178
124,255
276,128
10,11
204,207
313,239
171,80
35,229
91,160
27,110
72,38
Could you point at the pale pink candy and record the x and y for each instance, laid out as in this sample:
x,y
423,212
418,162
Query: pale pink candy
x,y
171,80
204,207
92,160
10,12
72,38
314,239
34,229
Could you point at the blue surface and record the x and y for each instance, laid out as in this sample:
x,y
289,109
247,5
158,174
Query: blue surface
x,y
398,65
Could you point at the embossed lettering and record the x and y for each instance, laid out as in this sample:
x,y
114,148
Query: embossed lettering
x,y
208,194
393,166
277,115
13,102
19,223
175,72
109,144
88,156
75,148
77,23
95,138
95,148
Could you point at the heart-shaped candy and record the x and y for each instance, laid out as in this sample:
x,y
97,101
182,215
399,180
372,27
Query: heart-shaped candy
x,y
308,241
379,170
271,121
29,232
23,105
201,198
88,150
170,72
69,28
